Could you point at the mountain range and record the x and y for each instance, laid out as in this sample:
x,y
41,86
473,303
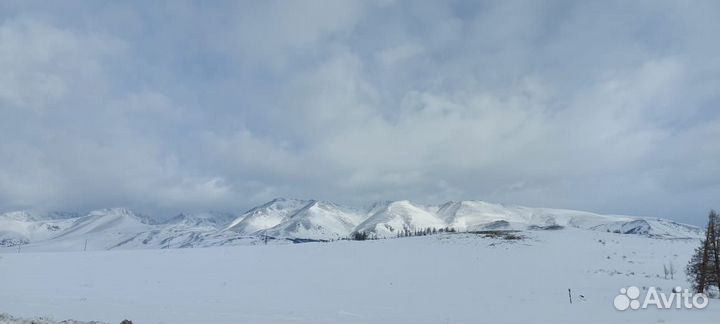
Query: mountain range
x,y
283,220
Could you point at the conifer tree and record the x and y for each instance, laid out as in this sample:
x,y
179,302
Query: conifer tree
x,y
703,270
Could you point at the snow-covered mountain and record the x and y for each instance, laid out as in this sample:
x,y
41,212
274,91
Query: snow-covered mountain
x,y
387,219
205,219
309,219
293,220
650,226
317,220
266,216
23,227
298,219
106,221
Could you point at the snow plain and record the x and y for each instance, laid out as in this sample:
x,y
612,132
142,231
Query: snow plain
x,y
447,278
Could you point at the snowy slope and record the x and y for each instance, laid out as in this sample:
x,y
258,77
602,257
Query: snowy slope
x,y
121,228
8,319
113,220
471,215
650,226
387,220
187,230
267,215
447,278
317,220
23,227
205,220
100,229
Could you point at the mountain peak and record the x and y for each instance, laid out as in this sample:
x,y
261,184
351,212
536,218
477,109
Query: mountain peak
x,y
213,219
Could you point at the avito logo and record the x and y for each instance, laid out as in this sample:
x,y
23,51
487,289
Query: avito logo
x,y
679,298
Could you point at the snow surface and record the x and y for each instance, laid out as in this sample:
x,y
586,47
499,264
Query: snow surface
x,y
448,278
112,264
8,319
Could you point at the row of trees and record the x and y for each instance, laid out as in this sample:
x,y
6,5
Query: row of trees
x,y
362,236
704,268
425,231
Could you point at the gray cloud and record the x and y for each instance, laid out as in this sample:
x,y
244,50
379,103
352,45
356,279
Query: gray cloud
x,y
180,105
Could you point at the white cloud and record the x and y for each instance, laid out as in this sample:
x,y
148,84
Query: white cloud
x,y
601,106
392,55
42,64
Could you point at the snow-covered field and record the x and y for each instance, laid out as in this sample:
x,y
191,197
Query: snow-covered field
x,y
448,278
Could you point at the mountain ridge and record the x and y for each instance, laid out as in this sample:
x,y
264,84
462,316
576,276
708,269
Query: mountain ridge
x,y
285,220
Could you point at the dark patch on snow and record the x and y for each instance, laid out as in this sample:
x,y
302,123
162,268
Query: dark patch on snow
x,y
545,228
502,234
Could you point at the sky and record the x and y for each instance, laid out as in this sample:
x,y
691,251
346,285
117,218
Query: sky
x,y
169,106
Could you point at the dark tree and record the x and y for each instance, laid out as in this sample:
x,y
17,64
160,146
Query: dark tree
x,y
359,236
703,270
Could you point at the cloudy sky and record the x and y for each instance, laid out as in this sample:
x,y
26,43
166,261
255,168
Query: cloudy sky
x,y
611,107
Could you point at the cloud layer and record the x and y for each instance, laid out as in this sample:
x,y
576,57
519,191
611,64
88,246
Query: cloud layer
x,y
166,106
